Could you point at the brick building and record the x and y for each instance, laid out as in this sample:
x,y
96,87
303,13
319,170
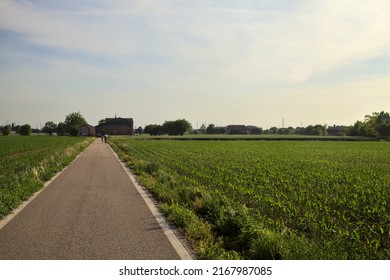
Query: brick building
x,y
87,130
116,126
236,129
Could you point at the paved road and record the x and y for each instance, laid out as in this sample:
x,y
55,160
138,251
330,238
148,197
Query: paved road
x,y
91,211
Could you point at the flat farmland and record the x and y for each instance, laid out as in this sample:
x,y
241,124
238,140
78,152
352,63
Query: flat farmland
x,y
270,199
27,161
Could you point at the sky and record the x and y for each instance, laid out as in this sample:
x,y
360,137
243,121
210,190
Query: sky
x,y
224,62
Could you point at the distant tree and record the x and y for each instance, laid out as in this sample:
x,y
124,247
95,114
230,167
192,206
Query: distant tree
x,y
220,130
25,130
49,128
178,127
210,129
283,131
15,128
73,122
202,129
152,129
291,130
374,125
369,127
337,130
167,128
61,129
273,130
382,124
299,130
139,130
356,129
6,130
318,130
182,126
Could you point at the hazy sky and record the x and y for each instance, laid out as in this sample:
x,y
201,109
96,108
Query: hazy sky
x,y
214,61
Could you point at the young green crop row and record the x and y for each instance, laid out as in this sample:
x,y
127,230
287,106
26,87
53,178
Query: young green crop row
x,y
315,199
26,162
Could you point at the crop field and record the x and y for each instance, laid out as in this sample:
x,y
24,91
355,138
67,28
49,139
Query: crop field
x,y
270,199
27,161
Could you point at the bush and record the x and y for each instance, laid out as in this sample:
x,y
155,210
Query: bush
x,y
25,130
6,130
266,246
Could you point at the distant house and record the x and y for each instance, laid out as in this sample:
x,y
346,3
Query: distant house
x,y
87,130
254,130
236,129
116,126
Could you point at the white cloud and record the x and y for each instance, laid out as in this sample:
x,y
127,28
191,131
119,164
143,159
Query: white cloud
x,y
240,43
76,31
337,33
210,53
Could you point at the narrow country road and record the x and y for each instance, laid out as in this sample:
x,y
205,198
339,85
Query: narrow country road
x,y
90,211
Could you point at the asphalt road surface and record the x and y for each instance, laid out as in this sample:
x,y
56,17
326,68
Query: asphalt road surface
x,y
90,211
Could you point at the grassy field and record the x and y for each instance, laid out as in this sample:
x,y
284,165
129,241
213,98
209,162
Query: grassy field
x,y
270,137
270,199
27,161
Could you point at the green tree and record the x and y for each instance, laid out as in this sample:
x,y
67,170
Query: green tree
x,y
6,130
382,124
73,122
139,130
210,128
152,129
356,129
178,127
25,130
369,127
61,129
182,126
49,128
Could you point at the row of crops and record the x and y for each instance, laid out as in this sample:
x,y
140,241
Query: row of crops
x,y
26,162
266,199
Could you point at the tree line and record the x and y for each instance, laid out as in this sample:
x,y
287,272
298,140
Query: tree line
x,y
374,125
70,126
178,127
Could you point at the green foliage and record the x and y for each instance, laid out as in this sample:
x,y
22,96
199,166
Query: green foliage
x,y
61,129
374,125
25,162
212,129
25,130
73,122
382,124
178,127
319,130
49,128
153,129
274,199
6,130
266,246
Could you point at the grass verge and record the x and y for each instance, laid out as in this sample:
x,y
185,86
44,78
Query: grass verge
x,y
23,174
216,227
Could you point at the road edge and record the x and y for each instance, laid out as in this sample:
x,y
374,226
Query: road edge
x,y
174,237
8,218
